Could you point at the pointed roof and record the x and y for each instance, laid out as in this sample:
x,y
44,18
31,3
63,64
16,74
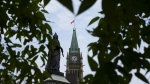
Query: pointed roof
x,y
74,43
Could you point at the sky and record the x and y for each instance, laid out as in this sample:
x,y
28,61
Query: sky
x,y
61,18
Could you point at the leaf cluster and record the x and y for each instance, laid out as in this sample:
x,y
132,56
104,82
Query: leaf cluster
x,y
120,33
25,20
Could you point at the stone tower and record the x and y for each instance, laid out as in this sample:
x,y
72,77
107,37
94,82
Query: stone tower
x,y
74,65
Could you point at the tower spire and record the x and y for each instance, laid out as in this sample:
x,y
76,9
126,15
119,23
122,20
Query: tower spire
x,y
74,42
74,67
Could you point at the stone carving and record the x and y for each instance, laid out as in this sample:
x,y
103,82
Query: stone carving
x,y
53,63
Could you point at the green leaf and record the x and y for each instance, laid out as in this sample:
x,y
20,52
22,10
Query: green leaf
x,y
89,31
24,52
86,4
146,64
5,64
126,74
44,53
101,12
44,11
42,47
94,48
42,58
8,40
67,3
88,79
46,2
93,20
49,28
140,76
33,60
93,64
17,45
46,75
41,15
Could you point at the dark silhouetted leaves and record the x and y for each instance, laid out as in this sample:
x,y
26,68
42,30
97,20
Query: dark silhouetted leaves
x,y
17,45
139,75
41,16
93,20
67,3
46,2
48,27
88,79
120,34
23,20
44,11
93,64
86,4
94,48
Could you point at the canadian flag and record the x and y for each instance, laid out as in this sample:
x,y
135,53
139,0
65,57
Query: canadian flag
x,y
72,22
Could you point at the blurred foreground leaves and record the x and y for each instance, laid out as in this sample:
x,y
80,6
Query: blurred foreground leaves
x,y
24,20
121,32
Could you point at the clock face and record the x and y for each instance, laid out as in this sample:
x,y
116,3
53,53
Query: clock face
x,y
74,58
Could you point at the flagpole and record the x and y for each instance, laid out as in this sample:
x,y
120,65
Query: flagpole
x,y
74,23
74,20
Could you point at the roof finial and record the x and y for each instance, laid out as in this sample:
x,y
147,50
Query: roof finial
x,y
74,21
74,29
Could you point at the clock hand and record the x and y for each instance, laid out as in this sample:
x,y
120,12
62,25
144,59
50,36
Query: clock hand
x,y
74,58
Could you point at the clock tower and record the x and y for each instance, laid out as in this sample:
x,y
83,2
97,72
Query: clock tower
x,y
74,65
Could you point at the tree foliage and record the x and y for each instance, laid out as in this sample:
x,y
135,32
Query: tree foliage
x,y
120,33
25,20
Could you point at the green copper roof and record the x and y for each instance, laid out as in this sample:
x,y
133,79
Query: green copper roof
x,y
74,43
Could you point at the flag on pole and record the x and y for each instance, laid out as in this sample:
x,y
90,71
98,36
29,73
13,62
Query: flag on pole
x,y
72,22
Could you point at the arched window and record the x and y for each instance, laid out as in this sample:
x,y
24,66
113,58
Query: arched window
x,y
78,73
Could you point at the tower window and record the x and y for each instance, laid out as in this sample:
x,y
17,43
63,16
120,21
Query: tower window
x,y
78,73
75,72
